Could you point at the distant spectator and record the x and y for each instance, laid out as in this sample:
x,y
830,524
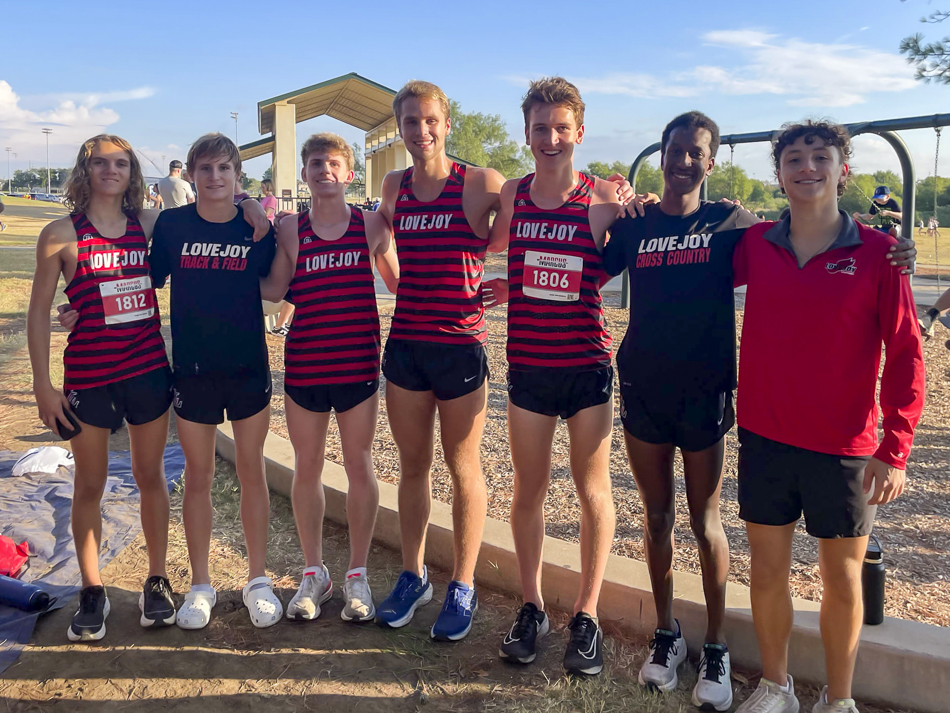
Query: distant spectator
x,y
174,191
155,197
239,193
886,209
3,226
269,201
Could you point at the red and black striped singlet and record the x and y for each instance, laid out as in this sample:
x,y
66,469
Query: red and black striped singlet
x,y
555,312
118,334
441,262
334,336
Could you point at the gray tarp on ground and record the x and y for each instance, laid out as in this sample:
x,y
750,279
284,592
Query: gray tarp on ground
x,y
36,508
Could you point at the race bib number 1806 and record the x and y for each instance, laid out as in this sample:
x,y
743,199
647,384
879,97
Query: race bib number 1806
x,y
127,300
549,276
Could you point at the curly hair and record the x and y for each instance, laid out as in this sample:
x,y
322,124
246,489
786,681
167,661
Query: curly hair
x,y
691,121
77,191
556,91
830,133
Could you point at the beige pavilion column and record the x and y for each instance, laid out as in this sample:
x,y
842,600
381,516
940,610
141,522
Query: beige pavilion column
x,y
285,148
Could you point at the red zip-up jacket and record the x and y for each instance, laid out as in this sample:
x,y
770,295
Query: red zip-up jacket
x,y
811,344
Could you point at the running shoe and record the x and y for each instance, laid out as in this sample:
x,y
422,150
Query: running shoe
x,y
840,705
315,589
713,689
280,331
520,642
458,609
770,698
89,621
410,593
156,603
358,599
585,649
667,652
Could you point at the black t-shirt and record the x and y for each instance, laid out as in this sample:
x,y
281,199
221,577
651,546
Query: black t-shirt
x,y
216,313
886,220
682,336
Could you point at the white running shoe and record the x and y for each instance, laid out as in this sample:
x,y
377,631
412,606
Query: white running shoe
x,y
359,599
713,689
770,698
315,589
667,652
840,705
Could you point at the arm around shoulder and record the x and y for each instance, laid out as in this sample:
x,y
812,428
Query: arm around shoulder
x,y
501,226
379,235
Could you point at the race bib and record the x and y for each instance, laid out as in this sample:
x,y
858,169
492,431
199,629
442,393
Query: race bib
x,y
552,277
127,300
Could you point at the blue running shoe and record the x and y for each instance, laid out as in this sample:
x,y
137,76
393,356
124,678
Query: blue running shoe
x,y
410,593
455,619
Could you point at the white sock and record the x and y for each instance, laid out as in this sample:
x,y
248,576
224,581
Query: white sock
x,y
307,571
356,571
787,688
207,588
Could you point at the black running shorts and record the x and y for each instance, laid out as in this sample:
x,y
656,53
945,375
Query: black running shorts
x,y
691,422
559,392
331,397
204,398
139,400
778,482
448,371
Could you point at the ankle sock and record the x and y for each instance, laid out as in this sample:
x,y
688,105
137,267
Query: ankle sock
x,y
356,571
206,588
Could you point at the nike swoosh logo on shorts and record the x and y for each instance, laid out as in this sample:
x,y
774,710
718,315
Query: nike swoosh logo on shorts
x,y
470,378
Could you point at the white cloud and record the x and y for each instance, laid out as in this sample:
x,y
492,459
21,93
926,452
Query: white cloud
x,y
809,74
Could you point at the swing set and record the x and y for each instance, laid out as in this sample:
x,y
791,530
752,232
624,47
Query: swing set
x,y
887,129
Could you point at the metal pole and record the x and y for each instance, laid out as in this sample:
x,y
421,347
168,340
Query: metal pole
x,y
9,175
48,182
14,158
234,115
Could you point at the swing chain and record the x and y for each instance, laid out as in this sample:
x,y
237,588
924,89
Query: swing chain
x,y
936,164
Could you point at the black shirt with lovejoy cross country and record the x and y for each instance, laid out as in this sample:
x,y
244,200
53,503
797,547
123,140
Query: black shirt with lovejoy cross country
x,y
215,270
682,337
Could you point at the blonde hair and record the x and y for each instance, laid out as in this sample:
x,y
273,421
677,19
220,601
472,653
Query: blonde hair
x,y
77,190
267,185
327,143
417,89
556,91
213,144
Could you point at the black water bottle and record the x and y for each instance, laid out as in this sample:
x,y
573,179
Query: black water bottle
x,y
873,576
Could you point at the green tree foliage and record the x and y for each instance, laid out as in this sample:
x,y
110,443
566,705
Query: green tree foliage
x,y
483,139
932,59
649,180
36,178
729,181
268,174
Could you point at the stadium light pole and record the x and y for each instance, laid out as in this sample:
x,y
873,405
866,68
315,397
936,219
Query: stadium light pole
x,y
14,161
234,115
9,175
47,132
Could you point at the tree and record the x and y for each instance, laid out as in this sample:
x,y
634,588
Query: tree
x,y
649,180
891,180
268,174
728,181
483,139
932,59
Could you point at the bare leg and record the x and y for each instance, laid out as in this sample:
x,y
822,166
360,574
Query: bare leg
x,y
91,453
357,430
412,423
842,609
148,468
531,435
652,466
249,435
703,485
197,443
590,430
772,611
286,312
308,434
462,421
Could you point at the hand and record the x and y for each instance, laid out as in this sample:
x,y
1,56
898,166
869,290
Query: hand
x,y
856,215
67,317
730,201
52,407
624,189
904,255
887,480
256,217
635,207
494,292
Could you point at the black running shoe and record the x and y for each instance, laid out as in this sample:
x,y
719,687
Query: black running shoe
x,y
585,650
89,621
519,643
156,603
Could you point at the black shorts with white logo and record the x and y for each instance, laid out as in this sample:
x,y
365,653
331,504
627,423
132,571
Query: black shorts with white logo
x,y
778,483
139,400
560,392
204,398
691,422
331,397
447,370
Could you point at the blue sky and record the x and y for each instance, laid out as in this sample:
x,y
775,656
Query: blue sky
x,y
161,74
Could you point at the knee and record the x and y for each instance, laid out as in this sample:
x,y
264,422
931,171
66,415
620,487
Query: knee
x,y
151,480
88,490
308,469
705,528
415,466
659,525
198,482
768,576
841,585
528,498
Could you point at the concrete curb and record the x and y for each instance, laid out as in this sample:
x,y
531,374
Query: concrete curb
x,y
900,663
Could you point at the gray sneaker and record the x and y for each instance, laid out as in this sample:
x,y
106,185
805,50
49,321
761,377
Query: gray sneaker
x,y
359,599
841,705
769,698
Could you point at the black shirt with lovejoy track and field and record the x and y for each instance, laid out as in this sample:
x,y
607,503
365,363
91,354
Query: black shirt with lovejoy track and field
x,y
215,270
682,336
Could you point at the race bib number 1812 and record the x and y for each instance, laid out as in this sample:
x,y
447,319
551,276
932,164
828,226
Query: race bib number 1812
x,y
127,300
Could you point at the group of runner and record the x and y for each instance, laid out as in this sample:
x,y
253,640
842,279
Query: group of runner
x,y
823,295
